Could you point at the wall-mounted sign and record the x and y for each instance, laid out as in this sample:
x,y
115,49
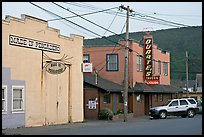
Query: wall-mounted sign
x,y
34,44
92,104
55,67
153,80
87,67
148,56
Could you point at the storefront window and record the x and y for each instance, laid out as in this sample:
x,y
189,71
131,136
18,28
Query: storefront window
x,y
106,99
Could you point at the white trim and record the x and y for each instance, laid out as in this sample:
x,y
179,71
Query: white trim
x,y
23,97
5,94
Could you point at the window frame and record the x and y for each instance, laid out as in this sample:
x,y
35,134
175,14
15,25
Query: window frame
x,y
5,99
161,97
153,66
108,64
156,97
159,67
165,68
139,63
120,99
23,99
181,102
109,99
88,55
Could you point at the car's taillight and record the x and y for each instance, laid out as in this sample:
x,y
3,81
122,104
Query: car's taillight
x,y
196,104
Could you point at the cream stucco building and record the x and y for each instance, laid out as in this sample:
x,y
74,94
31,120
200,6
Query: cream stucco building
x,y
30,95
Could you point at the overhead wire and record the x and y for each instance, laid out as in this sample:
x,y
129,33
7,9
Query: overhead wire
x,y
111,22
87,20
75,24
85,14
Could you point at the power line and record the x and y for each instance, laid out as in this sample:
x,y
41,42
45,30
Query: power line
x,y
87,19
111,22
143,15
74,23
140,19
83,14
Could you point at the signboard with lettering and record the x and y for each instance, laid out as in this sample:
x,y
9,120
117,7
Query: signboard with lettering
x,y
148,56
153,80
55,67
87,67
92,104
34,44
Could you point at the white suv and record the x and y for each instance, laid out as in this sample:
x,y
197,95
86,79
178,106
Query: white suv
x,y
176,107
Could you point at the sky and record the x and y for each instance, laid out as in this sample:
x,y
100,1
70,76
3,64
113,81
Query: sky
x,y
146,16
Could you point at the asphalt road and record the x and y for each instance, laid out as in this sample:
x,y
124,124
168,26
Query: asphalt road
x,y
136,126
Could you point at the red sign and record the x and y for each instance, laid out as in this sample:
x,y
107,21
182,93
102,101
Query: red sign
x,y
148,57
153,80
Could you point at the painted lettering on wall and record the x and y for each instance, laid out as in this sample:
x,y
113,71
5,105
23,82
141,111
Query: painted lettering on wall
x,y
35,44
148,57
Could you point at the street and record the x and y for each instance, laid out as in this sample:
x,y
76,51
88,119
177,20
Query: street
x,y
136,126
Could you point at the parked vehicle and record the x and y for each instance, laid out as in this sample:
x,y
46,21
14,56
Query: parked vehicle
x,y
199,102
176,107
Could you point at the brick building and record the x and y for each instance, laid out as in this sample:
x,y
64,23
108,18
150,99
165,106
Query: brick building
x,y
146,89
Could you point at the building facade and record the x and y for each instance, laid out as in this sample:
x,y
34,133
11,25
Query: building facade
x,y
42,81
146,89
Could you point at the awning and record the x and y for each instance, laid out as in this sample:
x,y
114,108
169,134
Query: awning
x,y
160,88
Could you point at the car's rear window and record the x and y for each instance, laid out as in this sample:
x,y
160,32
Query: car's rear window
x,y
192,101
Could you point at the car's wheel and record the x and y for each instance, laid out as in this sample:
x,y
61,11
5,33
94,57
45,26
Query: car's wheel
x,y
162,114
191,113
184,116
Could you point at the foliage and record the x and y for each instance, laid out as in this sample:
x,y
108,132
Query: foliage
x,y
105,113
176,41
120,111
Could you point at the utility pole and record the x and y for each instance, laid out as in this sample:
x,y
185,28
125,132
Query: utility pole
x,y
187,94
125,93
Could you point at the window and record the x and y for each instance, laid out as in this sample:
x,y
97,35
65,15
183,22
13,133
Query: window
x,y
191,101
112,62
156,97
86,58
159,67
120,98
165,68
138,98
106,99
183,102
174,103
4,99
139,63
153,66
161,97
17,98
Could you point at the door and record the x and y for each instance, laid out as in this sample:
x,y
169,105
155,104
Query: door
x,y
173,107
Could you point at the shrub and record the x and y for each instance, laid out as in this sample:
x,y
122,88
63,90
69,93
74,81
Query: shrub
x,y
105,113
120,111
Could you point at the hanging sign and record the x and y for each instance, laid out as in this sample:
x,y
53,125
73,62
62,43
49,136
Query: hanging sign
x,y
55,67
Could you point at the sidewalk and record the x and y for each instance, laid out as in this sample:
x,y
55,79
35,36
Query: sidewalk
x,y
86,123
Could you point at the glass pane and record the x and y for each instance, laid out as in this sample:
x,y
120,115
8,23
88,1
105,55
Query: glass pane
x,y
17,93
17,104
3,104
112,62
3,94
